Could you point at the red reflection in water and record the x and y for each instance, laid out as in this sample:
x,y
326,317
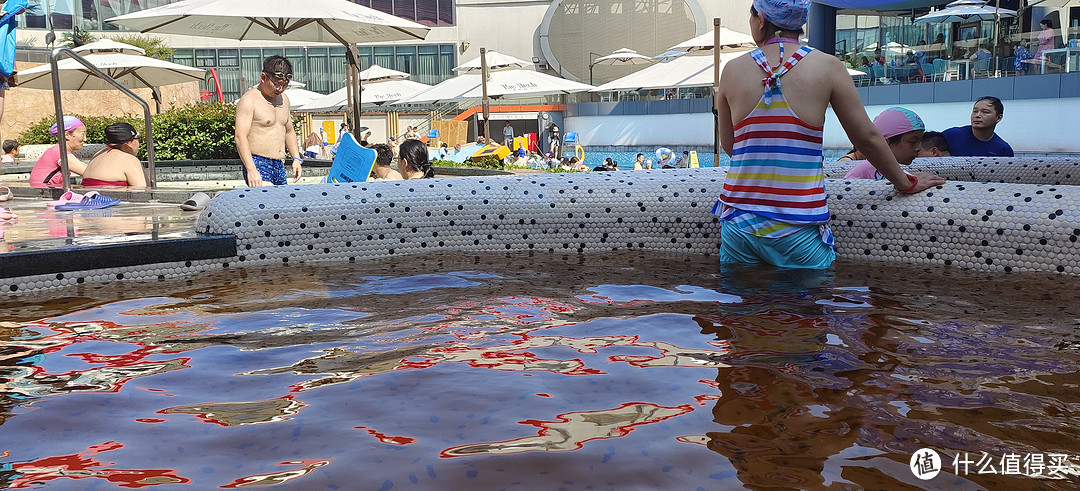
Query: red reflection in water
x,y
571,430
704,398
81,466
543,394
110,372
383,437
275,478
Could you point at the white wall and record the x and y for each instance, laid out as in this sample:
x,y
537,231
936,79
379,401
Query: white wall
x,y
1030,126
654,129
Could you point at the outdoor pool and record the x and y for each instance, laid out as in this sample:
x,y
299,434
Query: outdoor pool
x,y
636,370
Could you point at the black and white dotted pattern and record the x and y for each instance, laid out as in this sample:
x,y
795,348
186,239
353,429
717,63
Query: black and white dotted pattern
x,y
1031,170
148,272
985,226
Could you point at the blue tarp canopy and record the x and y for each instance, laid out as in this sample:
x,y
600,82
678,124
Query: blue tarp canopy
x,y
880,4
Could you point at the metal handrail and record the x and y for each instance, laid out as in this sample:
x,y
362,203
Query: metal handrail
x,y
149,136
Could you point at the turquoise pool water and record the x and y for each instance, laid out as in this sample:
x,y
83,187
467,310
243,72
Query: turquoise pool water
x,y
631,371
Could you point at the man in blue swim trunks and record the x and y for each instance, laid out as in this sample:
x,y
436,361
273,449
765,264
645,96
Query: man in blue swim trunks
x,y
264,128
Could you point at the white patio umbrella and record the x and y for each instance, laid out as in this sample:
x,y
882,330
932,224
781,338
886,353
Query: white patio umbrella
x,y
506,83
495,60
309,21
381,85
477,80
966,11
123,62
689,70
728,39
622,56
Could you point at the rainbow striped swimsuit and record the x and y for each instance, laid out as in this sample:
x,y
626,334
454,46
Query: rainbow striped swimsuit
x,y
775,185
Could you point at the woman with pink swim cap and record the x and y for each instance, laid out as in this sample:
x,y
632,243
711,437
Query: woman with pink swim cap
x,y
773,204
46,171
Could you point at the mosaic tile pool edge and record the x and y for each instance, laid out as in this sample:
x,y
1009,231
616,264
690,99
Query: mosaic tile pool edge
x,y
985,226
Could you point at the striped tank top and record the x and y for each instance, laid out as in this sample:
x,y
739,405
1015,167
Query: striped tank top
x,y
775,185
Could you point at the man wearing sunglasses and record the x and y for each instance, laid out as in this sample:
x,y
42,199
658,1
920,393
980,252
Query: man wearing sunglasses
x,y
264,129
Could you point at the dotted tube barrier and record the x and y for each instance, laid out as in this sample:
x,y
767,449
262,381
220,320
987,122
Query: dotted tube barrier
x,y
1032,170
985,226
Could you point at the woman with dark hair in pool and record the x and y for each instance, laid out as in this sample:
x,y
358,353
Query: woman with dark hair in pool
x,y
413,160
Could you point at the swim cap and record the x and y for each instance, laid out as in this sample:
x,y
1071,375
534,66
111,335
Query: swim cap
x,y
897,121
70,123
785,14
120,133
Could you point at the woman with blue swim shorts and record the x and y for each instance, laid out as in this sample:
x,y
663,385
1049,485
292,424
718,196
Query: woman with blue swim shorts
x,y
773,204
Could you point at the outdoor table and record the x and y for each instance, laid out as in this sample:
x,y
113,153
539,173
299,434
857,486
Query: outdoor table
x,y
966,71
903,72
1069,53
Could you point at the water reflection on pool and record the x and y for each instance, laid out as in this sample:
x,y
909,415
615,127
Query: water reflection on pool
x,y
633,371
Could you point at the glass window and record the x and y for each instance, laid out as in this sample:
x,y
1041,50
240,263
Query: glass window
x,y
447,62
446,12
427,12
383,5
405,9
405,60
337,68
250,67
384,57
228,57
427,65
297,57
183,57
364,52
205,57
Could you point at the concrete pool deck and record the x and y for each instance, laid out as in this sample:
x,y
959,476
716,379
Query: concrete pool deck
x,y
147,227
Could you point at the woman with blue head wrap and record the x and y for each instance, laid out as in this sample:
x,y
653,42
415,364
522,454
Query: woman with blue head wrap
x,y
771,106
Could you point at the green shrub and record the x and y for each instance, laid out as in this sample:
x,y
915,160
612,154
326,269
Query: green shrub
x,y
192,132
196,132
486,163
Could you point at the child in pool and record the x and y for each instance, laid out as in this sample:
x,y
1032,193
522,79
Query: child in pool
x,y
903,131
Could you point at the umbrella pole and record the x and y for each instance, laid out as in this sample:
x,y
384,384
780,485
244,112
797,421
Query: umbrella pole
x,y
483,84
355,88
716,91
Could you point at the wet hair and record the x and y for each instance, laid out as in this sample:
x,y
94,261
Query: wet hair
x,y
443,144
641,155
1047,22
415,153
932,139
10,145
384,156
277,63
994,102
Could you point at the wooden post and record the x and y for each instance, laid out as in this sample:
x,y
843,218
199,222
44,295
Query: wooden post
x,y
716,91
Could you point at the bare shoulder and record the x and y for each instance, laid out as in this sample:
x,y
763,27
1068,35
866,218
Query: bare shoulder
x,y
248,98
740,63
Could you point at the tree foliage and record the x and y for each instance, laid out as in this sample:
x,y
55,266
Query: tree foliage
x,y
76,37
154,47
192,132
203,131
